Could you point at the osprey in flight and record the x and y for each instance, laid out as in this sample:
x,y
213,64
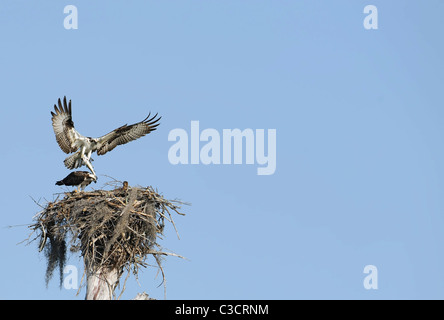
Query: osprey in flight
x,y
71,141
77,178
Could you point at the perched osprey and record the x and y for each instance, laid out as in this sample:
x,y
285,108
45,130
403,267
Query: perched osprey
x,y
77,178
71,141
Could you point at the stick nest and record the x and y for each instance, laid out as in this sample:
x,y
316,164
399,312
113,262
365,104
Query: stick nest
x,y
116,229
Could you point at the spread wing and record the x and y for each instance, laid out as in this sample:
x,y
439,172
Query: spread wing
x,y
63,126
126,133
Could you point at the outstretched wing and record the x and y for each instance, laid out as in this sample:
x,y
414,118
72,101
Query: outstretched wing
x,y
126,133
63,126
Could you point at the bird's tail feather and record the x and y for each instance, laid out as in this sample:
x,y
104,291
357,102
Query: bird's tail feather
x,y
74,161
59,183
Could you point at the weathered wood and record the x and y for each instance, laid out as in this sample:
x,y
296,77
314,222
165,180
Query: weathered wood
x,y
100,285
143,296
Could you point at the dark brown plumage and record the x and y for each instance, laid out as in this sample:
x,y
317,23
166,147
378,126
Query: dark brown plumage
x,y
63,126
127,133
77,178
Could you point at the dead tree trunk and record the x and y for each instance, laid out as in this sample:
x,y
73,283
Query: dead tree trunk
x,y
100,285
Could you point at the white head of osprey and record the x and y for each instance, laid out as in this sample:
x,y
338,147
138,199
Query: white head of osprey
x,y
210,153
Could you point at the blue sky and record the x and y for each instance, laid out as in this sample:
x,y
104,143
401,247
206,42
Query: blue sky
x,y
359,121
